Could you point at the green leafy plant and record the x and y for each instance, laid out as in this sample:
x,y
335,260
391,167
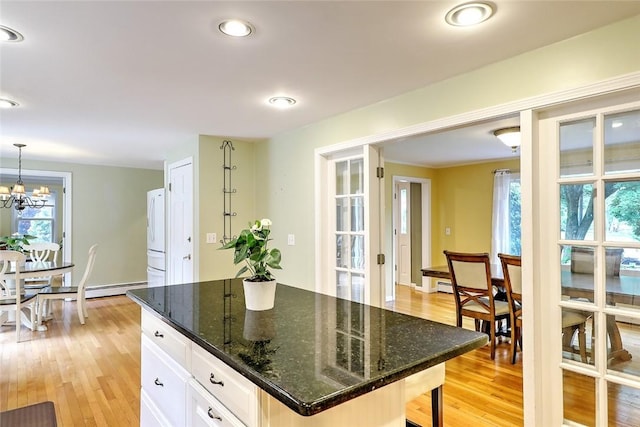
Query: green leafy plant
x,y
250,247
15,242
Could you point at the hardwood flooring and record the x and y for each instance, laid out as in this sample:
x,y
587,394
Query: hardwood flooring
x,y
92,372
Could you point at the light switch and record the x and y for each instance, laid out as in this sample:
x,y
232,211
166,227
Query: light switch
x,y
291,239
211,237
447,231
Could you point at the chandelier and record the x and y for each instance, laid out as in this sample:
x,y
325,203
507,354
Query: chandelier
x,y
16,196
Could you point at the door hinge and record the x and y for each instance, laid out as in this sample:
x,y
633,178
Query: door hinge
x,y
379,172
169,186
380,259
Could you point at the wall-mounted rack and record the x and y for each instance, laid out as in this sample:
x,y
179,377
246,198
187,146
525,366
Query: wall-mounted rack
x,y
227,212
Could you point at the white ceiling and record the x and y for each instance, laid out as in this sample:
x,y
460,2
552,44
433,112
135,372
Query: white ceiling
x,y
122,82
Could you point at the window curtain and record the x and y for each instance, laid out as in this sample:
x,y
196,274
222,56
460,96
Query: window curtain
x,y
500,240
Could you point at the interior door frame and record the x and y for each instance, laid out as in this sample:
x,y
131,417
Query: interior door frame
x,y
325,221
168,218
534,370
67,211
425,285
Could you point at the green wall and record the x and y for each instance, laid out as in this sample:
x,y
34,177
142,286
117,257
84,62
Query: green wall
x,y
109,208
287,181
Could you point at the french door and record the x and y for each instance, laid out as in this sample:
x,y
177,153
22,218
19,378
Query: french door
x,y
350,200
589,269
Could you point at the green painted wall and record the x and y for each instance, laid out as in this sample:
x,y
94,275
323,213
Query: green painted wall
x,y
215,263
287,180
109,208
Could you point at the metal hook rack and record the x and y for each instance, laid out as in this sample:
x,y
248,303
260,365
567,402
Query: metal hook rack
x,y
227,212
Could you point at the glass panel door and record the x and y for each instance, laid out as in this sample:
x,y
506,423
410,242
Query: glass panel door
x,y
598,206
349,234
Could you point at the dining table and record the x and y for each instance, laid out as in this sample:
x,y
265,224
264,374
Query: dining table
x,y
620,289
33,269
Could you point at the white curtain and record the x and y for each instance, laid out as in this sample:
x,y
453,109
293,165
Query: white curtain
x,y
500,240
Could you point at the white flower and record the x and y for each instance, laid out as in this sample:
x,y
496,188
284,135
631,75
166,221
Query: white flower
x,y
266,222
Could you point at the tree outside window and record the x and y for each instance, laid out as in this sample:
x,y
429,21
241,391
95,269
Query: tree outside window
x,y
38,222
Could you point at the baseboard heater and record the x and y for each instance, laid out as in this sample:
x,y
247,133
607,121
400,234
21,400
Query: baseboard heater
x,y
444,286
96,291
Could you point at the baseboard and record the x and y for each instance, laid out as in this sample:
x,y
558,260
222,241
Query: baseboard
x,y
444,286
110,290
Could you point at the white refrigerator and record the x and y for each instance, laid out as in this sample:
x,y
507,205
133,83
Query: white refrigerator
x,y
156,262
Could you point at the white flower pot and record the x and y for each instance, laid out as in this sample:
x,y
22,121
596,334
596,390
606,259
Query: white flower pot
x,y
258,325
259,296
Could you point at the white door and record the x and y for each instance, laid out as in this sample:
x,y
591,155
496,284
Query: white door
x,y
588,264
403,233
349,239
181,262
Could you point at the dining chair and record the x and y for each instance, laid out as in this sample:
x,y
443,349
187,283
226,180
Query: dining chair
x,y
13,296
512,273
63,292
473,293
572,320
41,252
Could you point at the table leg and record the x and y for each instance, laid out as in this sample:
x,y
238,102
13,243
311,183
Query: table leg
x,y
617,351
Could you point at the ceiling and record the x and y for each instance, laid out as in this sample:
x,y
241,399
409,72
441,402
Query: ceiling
x,y
123,82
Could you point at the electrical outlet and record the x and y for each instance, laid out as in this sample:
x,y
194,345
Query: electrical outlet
x,y
291,239
212,237
447,231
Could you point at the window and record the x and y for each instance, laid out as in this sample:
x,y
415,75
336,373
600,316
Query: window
x,y
38,222
506,223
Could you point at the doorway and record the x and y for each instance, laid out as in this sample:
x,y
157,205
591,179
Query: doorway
x,y
180,223
411,232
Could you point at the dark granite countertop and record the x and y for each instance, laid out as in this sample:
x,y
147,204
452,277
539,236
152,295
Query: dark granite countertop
x,y
311,351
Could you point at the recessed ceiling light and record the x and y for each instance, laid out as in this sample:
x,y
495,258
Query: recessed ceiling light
x,y
469,14
7,103
282,101
9,35
235,28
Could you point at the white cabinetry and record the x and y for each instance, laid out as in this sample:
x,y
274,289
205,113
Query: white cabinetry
x,y
184,385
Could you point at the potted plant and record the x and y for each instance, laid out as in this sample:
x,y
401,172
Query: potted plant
x,y
15,242
250,248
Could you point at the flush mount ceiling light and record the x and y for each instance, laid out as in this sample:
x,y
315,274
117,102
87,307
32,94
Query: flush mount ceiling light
x,y
7,103
282,101
235,28
509,136
9,35
468,14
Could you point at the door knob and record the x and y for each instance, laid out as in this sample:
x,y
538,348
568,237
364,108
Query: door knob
x,y
187,256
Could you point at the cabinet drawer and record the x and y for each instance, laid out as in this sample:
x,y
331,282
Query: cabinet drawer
x,y
164,382
234,391
168,339
150,415
204,410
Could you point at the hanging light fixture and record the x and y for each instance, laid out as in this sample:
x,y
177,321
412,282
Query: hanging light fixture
x,y
509,137
16,196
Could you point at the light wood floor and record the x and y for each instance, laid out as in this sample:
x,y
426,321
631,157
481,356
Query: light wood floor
x,y
92,372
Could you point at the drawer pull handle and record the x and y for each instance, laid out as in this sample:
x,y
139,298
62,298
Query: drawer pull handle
x,y
158,334
212,416
157,382
213,380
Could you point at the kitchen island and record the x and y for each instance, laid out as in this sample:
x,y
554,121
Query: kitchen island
x,y
313,360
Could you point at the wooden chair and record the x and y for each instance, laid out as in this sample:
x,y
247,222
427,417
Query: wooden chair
x,y
63,292
572,320
14,297
41,252
473,293
512,271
